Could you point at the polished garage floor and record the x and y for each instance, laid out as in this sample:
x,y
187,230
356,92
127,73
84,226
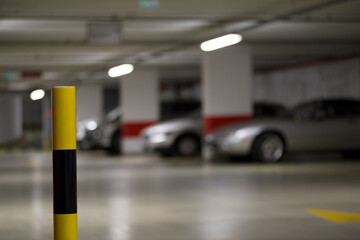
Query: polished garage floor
x,y
141,197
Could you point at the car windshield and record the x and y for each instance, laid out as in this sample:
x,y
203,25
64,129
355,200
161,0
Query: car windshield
x,y
195,114
113,114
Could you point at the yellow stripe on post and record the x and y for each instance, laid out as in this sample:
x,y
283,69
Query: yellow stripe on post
x,y
64,118
65,227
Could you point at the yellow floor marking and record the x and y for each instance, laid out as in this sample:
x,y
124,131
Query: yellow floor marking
x,y
335,217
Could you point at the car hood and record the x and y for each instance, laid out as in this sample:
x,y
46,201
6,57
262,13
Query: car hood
x,y
173,125
84,122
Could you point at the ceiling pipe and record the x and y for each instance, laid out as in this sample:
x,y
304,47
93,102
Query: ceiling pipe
x,y
230,25
253,24
241,27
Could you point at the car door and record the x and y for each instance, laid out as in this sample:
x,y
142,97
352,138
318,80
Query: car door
x,y
311,129
344,123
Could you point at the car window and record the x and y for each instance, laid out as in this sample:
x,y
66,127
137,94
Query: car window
x,y
176,109
196,114
113,115
344,108
310,112
269,110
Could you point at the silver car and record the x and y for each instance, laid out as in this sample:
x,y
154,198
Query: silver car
x,y
315,126
179,136
183,136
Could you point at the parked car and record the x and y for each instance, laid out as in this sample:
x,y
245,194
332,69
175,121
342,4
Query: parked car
x,y
182,136
84,130
323,125
105,133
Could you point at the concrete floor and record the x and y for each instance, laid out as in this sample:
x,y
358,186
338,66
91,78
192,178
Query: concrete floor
x,y
148,198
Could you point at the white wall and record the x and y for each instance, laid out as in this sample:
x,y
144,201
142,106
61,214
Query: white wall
x,y
292,86
140,95
89,101
10,117
227,81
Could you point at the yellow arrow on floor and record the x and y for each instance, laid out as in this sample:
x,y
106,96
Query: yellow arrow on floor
x,y
335,217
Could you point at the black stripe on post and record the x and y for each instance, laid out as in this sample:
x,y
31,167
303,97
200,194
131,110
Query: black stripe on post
x,y
64,181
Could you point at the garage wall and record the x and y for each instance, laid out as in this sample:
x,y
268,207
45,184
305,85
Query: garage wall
x,y
10,117
292,86
31,112
89,101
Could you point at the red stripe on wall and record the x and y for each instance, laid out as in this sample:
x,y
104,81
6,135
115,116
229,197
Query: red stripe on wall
x,y
213,122
133,129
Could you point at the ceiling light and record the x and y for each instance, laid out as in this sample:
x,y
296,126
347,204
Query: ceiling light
x,y
220,42
37,94
121,70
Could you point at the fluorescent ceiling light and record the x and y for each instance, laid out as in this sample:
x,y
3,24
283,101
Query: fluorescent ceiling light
x,y
37,94
121,70
220,42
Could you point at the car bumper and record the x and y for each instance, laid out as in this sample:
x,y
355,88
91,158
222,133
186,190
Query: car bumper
x,y
227,147
153,143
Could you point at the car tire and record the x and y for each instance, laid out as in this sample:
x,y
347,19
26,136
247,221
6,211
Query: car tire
x,y
187,146
115,144
268,148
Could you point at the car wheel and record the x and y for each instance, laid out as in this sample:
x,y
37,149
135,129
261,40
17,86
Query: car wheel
x,y
187,146
115,144
268,147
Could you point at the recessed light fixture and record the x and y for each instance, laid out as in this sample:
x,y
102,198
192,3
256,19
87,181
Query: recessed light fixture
x,y
121,70
220,42
37,94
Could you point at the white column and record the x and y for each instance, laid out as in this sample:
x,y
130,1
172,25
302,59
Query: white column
x,y
89,102
140,104
227,87
10,117
46,121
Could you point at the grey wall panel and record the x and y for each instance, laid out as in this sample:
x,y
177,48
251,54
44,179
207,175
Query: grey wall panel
x,y
292,86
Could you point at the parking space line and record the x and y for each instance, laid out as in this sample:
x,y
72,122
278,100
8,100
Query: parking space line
x,y
335,216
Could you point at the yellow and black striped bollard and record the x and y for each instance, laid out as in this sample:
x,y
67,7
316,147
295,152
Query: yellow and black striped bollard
x,y
64,163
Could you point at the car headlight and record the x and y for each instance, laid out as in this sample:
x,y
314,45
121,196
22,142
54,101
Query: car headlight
x,y
240,134
160,137
91,125
243,134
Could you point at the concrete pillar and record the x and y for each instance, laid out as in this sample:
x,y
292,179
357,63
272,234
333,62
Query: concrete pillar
x,y
227,87
10,117
140,104
88,102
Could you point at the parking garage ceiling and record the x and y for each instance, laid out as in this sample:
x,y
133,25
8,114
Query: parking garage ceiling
x,y
80,40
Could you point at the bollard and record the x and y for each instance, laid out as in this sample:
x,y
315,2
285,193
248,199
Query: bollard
x,y
64,163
